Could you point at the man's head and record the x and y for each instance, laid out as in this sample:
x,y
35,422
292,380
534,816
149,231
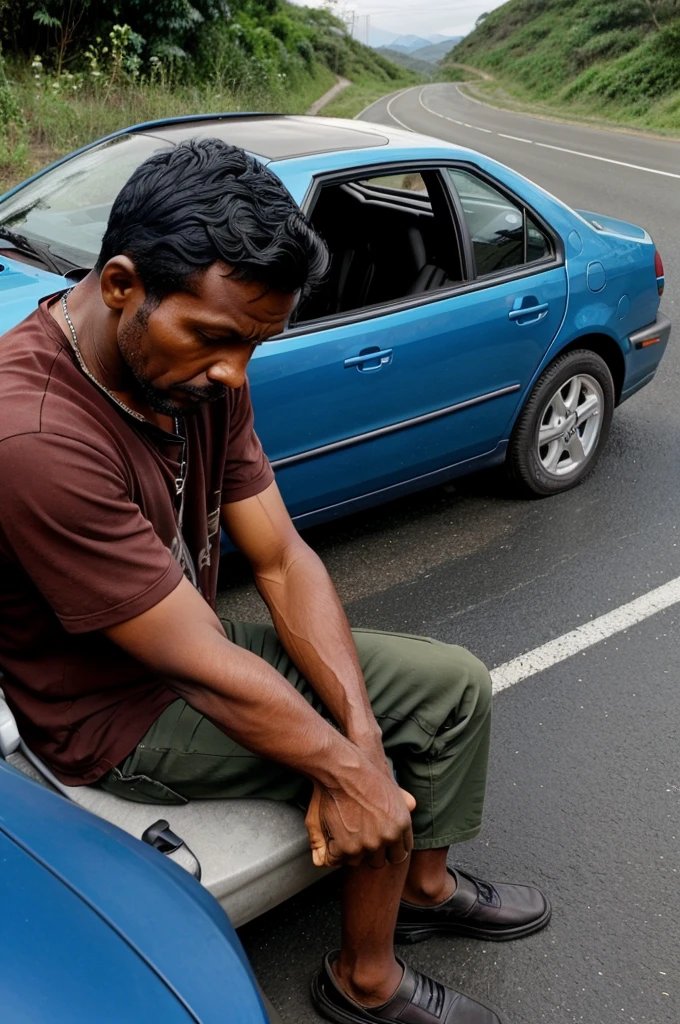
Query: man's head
x,y
205,256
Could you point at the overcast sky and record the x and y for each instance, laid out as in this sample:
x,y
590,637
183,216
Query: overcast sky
x,y
420,17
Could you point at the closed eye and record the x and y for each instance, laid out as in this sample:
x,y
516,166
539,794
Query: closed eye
x,y
232,339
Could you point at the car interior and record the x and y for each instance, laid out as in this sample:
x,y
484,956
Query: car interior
x,y
390,238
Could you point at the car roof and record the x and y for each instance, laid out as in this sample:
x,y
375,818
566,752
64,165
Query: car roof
x,y
273,136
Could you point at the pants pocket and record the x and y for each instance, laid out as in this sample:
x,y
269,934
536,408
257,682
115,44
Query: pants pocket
x,y
140,788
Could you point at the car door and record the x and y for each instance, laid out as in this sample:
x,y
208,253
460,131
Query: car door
x,y
411,361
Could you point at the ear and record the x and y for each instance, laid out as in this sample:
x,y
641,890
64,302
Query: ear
x,y
120,284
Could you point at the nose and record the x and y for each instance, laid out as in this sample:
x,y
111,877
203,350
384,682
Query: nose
x,y
231,373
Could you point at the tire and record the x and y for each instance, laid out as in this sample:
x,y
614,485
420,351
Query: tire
x,y
570,409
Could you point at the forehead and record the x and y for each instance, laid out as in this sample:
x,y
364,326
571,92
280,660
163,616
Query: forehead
x,y
220,299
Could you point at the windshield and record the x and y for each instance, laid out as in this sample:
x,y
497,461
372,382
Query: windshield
x,y
68,208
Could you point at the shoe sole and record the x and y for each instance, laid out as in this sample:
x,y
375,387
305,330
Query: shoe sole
x,y
323,1005
408,934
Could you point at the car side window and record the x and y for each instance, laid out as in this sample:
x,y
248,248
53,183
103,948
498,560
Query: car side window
x,y
391,236
504,235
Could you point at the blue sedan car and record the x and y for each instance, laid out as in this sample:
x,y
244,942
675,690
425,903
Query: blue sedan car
x,y
469,318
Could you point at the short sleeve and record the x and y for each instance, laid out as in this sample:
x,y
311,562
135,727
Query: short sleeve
x,y
246,470
66,516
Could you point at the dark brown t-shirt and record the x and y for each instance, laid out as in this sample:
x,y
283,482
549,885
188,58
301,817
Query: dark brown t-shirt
x,y
89,539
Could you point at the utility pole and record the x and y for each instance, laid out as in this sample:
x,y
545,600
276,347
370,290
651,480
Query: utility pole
x,y
368,29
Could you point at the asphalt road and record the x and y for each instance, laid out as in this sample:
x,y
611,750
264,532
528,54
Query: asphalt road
x,y
584,790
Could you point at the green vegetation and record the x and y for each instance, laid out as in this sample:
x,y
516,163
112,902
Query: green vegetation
x,y
613,59
74,70
369,86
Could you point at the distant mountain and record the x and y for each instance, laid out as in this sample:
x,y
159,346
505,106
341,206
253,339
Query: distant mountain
x,y
407,60
434,52
379,37
407,44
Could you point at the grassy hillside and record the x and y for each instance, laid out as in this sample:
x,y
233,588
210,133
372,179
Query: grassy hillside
x,y
253,55
618,59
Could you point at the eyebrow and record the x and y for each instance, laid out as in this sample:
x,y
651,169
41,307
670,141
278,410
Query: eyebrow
x,y
220,334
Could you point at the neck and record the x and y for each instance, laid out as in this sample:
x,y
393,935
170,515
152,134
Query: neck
x,y
96,329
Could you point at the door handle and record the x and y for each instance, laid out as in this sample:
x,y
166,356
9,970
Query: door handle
x,y
535,313
379,357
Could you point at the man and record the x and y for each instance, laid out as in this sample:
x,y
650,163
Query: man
x,y
126,436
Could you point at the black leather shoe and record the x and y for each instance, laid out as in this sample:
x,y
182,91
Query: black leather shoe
x,y
477,909
418,1000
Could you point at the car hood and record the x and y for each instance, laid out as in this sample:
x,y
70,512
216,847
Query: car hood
x,y
21,289
614,226
61,961
154,908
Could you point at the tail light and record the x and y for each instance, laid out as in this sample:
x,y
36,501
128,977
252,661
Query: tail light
x,y
660,273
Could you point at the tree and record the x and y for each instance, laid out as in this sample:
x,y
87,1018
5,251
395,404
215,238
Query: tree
x,y
59,27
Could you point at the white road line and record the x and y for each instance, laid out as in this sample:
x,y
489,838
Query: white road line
x,y
593,632
608,160
436,113
515,138
359,116
530,142
394,116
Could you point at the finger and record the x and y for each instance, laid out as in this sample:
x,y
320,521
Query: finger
x,y
409,799
334,856
377,860
397,853
319,856
316,837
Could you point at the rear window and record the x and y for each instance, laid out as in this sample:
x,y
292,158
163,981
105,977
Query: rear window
x,y
504,235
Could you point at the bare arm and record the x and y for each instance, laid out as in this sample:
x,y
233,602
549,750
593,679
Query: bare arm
x,y
306,611
182,639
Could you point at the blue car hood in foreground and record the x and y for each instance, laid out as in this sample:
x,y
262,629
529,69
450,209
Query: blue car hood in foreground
x,y
21,289
61,962
96,926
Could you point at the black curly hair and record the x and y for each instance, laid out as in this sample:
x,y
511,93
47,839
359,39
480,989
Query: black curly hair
x,y
187,207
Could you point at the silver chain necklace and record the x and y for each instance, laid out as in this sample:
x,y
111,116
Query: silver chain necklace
x,y
181,479
83,366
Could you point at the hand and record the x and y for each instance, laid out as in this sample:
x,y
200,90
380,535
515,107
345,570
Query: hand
x,y
366,819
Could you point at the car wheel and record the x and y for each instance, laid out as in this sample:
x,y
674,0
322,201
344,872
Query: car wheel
x,y
564,425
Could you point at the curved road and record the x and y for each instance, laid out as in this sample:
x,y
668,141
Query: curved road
x,y
584,794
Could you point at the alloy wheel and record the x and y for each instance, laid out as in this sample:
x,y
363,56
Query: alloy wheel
x,y
570,426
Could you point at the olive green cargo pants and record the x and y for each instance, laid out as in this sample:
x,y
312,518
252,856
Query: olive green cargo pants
x,y
432,702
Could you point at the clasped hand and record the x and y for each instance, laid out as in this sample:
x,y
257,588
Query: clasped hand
x,y
366,818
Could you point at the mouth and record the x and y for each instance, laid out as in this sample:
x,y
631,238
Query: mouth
x,y
188,394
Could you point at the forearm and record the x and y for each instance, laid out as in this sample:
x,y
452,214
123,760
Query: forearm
x,y
314,630
240,692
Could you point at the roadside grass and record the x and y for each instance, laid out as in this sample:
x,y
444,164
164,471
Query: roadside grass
x,y
365,90
458,73
662,119
601,61
55,122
